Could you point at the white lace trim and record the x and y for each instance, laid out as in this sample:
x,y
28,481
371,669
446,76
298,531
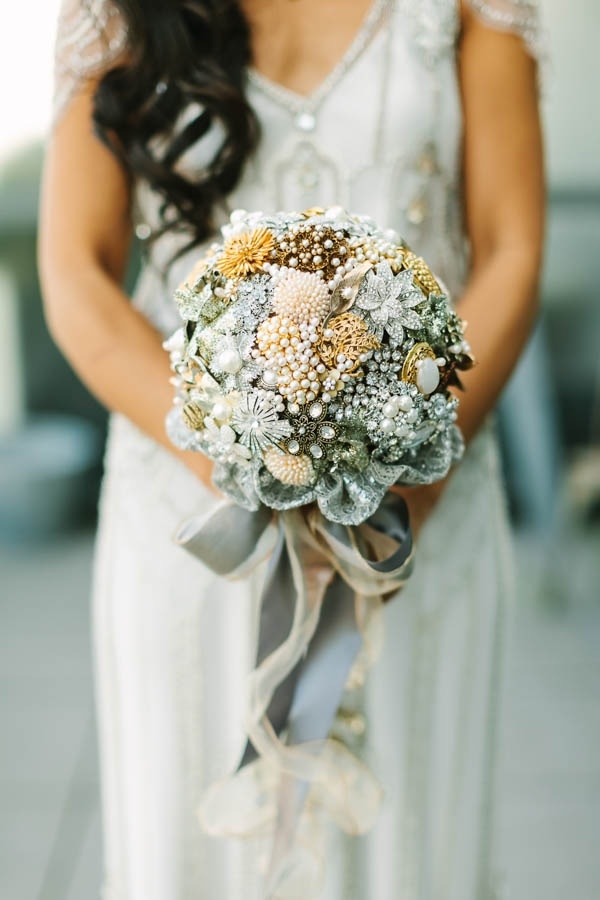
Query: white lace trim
x,y
90,36
521,17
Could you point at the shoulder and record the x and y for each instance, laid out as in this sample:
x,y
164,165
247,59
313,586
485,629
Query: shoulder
x,y
91,37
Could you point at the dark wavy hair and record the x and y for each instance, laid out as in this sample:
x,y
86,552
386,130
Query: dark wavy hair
x,y
181,55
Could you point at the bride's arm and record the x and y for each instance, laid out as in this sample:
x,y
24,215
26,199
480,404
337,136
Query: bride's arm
x,y
85,236
503,177
504,206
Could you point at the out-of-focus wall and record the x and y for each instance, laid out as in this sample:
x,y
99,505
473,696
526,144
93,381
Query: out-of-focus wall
x,y
26,55
572,108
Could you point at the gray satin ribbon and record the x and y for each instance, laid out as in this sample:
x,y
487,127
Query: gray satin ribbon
x,y
305,702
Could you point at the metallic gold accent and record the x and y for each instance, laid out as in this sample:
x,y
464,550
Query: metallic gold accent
x,y
193,416
308,430
246,253
417,353
350,283
422,274
304,247
313,211
351,336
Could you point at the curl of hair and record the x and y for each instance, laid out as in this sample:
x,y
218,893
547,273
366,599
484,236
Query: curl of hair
x,y
182,55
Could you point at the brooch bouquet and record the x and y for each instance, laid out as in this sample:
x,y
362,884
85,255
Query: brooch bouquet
x,y
313,366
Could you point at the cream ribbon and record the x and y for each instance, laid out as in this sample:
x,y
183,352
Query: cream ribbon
x,y
322,596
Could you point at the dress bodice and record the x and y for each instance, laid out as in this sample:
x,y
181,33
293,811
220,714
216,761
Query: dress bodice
x,y
380,136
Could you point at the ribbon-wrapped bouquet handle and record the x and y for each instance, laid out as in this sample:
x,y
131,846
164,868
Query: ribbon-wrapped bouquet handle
x,y
314,368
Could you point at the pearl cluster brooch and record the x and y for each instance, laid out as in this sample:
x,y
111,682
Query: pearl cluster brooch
x,y
287,351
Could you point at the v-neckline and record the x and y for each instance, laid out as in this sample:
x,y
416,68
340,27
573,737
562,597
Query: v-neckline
x,y
309,102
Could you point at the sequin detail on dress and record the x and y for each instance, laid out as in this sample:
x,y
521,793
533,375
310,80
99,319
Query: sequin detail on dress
x,y
521,17
91,36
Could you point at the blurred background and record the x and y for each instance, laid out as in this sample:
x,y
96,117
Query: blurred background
x,y
51,441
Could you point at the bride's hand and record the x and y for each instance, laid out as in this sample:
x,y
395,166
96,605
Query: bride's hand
x,y
421,500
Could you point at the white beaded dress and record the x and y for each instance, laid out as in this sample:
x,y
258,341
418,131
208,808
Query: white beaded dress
x,y
173,643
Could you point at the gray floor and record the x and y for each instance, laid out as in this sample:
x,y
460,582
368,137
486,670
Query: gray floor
x,y
49,825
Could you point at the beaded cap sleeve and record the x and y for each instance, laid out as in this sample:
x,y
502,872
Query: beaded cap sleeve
x,y
522,17
90,37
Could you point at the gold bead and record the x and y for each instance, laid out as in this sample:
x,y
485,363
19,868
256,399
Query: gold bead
x,y
193,416
422,274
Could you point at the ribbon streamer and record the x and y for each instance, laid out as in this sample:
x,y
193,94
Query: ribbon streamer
x,y
323,591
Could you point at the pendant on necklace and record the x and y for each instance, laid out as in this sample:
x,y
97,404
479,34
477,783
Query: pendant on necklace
x,y
305,121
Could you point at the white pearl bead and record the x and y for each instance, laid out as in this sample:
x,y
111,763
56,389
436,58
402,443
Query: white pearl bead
x,y
230,361
220,411
405,403
390,409
387,426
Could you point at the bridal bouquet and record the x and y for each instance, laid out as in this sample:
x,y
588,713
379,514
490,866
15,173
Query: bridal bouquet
x,y
313,367
314,364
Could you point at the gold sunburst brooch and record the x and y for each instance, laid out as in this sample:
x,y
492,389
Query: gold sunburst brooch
x,y
245,253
